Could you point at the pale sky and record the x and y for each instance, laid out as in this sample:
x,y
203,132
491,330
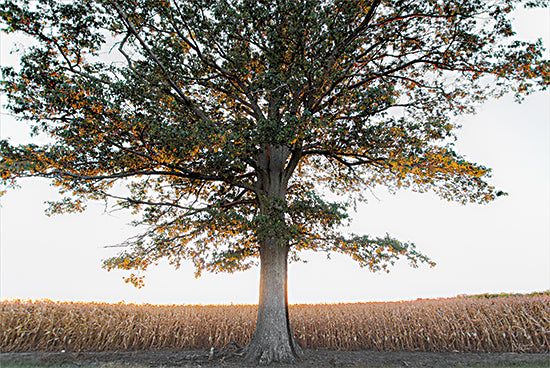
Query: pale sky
x,y
500,247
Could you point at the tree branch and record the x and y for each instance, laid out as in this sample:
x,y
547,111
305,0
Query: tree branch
x,y
223,72
186,100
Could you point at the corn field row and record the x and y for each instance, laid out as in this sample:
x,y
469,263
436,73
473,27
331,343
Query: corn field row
x,y
515,324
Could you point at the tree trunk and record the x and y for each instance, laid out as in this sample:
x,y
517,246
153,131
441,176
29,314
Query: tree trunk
x,y
273,340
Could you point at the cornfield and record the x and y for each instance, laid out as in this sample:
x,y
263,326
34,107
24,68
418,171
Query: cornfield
x,y
512,324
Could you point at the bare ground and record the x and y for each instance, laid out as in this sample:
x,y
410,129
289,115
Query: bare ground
x,y
314,358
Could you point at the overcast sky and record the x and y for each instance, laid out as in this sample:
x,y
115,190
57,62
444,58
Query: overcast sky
x,y
500,247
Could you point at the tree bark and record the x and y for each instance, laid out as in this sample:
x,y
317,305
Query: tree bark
x,y
273,340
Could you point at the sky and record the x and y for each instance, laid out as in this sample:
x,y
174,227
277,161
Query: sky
x,y
500,247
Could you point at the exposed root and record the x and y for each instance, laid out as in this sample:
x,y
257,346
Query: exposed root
x,y
254,355
267,355
231,350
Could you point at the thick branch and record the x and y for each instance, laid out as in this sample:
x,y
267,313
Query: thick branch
x,y
360,159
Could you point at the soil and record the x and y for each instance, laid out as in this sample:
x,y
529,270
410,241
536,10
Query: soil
x,y
314,358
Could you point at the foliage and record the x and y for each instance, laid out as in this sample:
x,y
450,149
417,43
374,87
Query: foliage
x,y
505,295
227,122
514,324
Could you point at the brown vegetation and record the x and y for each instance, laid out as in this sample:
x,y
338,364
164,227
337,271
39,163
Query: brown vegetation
x,y
512,324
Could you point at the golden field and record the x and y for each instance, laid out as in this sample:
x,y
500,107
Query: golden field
x,y
504,324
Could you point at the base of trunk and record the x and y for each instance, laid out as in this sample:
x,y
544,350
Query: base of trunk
x,y
270,349
273,340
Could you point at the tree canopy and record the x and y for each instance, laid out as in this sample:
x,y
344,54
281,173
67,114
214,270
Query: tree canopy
x,y
225,125
227,122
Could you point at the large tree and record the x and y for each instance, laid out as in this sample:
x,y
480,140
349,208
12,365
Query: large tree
x,y
229,121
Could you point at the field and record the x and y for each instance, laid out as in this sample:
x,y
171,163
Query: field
x,y
519,324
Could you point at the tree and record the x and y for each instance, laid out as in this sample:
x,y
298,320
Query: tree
x,y
227,122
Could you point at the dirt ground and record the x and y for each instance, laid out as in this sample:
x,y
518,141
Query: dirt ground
x,y
314,358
